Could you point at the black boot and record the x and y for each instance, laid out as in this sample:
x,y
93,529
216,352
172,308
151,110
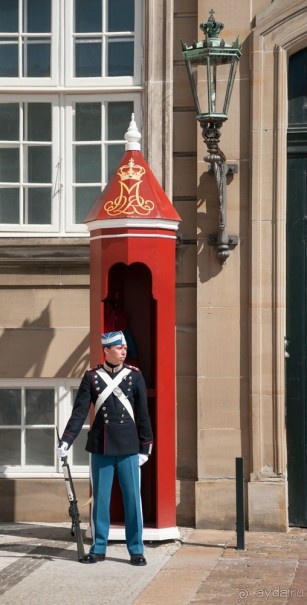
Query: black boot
x,y
138,560
92,557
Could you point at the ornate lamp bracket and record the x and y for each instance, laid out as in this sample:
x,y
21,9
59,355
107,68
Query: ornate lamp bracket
x,y
208,62
223,242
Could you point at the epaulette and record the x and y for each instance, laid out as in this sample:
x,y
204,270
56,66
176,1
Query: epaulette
x,y
132,367
95,368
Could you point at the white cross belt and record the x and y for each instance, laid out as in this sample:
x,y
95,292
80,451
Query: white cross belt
x,y
112,384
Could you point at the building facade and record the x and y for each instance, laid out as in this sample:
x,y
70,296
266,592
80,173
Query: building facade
x,y
71,74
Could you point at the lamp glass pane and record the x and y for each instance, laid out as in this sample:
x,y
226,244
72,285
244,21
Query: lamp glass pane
x,y
211,79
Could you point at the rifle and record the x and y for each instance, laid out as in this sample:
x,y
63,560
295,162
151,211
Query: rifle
x,y
73,507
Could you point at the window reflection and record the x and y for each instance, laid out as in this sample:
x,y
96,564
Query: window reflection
x,y
10,406
88,16
36,58
40,447
120,58
9,15
8,57
39,406
10,447
120,15
25,18
88,59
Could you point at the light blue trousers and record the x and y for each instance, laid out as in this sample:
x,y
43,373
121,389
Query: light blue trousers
x,y
102,475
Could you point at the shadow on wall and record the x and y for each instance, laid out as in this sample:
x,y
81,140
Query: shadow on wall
x,y
208,224
23,350
78,362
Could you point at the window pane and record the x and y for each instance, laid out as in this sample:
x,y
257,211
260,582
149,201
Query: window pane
x,y
39,164
39,406
9,205
38,16
9,121
88,122
120,58
38,206
8,60
9,165
88,164
88,16
10,406
120,15
79,455
115,155
39,122
40,447
88,59
85,198
10,447
9,16
36,59
119,116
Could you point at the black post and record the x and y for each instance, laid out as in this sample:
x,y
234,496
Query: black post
x,y
240,504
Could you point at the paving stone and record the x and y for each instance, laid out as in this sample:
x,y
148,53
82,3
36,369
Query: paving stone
x,y
38,564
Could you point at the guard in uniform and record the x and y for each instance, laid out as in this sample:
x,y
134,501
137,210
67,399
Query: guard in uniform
x,y
120,439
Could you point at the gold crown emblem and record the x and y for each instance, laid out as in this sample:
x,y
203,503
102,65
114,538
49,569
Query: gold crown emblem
x,y
131,171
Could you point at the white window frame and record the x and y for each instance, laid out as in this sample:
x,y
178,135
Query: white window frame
x,y
60,90
68,206
62,389
12,229
62,161
53,80
106,82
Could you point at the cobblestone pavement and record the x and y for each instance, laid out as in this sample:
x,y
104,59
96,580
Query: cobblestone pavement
x,y
208,569
38,564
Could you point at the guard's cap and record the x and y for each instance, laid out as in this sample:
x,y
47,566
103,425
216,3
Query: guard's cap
x,y
110,339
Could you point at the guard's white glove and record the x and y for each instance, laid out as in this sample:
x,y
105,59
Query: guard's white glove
x,y
142,459
62,450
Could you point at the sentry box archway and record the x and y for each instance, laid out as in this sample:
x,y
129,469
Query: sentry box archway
x,y
132,287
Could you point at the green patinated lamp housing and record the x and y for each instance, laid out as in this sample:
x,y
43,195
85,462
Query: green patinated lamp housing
x,y
212,65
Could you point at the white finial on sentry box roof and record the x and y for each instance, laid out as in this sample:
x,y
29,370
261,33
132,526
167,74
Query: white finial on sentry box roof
x,y
133,136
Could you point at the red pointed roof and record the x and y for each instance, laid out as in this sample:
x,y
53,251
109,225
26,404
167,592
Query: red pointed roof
x,y
132,192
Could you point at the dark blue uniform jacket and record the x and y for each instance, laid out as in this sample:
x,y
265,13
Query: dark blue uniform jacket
x,y
113,432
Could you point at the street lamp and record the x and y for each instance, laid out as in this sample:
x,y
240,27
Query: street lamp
x,y
211,66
